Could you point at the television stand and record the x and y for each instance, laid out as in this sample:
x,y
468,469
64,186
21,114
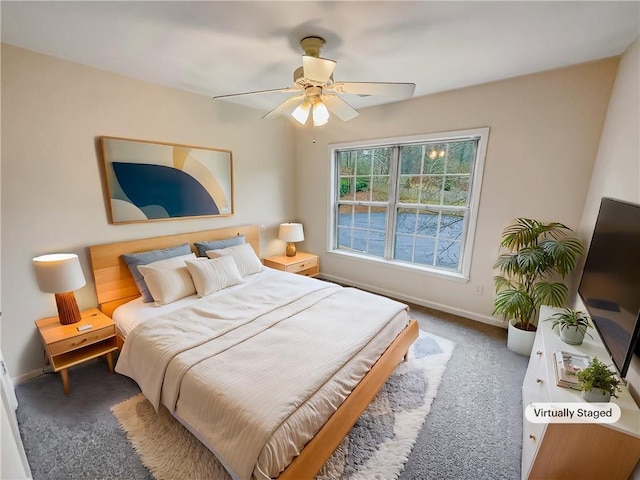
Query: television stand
x,y
574,450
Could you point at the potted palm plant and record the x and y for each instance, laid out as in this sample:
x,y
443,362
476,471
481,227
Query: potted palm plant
x,y
538,257
597,382
572,325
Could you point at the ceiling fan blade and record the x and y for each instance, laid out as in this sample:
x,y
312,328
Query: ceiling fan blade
x,y
317,69
339,107
257,92
286,107
402,90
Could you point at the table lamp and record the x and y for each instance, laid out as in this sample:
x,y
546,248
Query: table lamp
x,y
290,233
60,273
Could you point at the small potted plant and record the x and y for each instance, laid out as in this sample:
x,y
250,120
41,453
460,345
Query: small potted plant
x,y
597,382
572,324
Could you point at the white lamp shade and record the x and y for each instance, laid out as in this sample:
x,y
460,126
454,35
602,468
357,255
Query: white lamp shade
x,y
59,272
320,114
301,113
291,232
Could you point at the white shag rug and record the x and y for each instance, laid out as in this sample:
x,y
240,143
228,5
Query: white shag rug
x,y
376,447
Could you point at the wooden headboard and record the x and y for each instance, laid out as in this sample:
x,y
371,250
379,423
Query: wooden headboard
x,y
114,283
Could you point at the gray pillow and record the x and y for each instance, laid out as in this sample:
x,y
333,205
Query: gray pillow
x,y
202,247
143,258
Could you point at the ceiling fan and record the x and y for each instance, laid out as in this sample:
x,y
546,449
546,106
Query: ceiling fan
x,y
317,92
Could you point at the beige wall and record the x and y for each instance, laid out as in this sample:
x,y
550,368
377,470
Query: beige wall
x,y
52,197
544,136
616,172
545,130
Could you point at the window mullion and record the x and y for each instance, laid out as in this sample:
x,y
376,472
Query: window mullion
x,y
421,175
394,181
336,206
362,203
444,175
437,240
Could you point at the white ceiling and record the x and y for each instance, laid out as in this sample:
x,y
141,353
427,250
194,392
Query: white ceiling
x,y
217,48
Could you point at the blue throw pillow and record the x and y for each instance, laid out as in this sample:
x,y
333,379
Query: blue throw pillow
x,y
143,258
202,247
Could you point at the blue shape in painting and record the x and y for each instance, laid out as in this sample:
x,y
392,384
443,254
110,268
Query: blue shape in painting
x,y
150,187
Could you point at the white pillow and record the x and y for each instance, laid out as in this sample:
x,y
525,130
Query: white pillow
x,y
244,256
211,275
168,280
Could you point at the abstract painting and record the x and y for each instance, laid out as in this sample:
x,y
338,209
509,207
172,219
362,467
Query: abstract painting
x,y
150,181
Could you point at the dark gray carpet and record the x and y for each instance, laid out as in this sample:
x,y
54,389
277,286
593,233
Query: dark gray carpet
x,y
474,429
77,437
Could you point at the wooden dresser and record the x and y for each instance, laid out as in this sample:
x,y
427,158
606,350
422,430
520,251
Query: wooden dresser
x,y
574,450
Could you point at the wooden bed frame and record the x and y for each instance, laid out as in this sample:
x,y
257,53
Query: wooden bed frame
x,y
115,286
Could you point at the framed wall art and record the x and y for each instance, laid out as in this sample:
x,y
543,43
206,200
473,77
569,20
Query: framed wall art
x,y
151,181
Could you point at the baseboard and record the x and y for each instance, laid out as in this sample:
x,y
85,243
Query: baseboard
x,y
417,301
25,377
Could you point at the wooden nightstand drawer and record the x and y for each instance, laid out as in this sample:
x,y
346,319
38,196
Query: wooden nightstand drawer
x,y
302,264
82,340
311,263
309,272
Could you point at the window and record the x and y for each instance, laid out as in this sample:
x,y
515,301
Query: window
x,y
409,200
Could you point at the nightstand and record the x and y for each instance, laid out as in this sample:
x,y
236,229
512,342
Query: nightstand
x,y
301,263
67,346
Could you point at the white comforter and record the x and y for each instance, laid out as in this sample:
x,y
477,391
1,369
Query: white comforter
x,y
236,368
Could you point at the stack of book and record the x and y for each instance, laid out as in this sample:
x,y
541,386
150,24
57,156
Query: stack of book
x,y
567,365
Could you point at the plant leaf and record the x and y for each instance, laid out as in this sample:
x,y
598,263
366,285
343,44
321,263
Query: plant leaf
x,y
514,303
531,260
522,233
564,253
553,294
501,283
508,265
527,232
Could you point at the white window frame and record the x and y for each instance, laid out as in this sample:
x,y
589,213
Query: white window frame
x,y
468,233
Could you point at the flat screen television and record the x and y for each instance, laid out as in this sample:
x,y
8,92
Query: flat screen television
x,y
610,284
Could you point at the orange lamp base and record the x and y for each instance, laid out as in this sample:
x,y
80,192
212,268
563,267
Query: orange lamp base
x,y
68,311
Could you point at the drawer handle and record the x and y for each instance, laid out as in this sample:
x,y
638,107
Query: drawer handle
x,y
539,380
532,436
85,339
539,352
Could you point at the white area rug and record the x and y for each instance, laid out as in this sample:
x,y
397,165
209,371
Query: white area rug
x,y
376,447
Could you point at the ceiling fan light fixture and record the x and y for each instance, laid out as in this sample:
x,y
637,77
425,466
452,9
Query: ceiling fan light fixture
x,y
320,114
301,113
316,91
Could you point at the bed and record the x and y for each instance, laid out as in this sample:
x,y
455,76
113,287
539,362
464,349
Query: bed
x,y
276,301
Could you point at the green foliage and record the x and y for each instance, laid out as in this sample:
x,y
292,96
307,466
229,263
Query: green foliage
x,y
362,184
344,186
598,375
571,318
536,253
